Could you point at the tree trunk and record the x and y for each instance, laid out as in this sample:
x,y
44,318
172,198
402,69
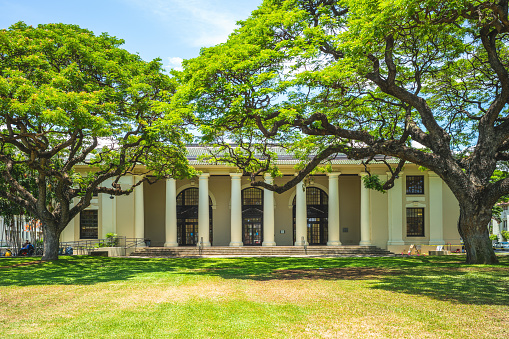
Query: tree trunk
x,y
51,242
473,227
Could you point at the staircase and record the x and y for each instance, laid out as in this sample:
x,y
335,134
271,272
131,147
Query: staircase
x,y
255,251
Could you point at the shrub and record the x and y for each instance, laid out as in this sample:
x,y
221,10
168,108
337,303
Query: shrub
x,y
505,235
494,237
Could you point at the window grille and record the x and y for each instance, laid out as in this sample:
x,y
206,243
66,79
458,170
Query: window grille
x,y
88,224
252,197
415,222
415,184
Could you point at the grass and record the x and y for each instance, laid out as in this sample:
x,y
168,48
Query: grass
x,y
93,297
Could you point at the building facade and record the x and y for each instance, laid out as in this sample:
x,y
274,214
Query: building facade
x,y
220,208
499,226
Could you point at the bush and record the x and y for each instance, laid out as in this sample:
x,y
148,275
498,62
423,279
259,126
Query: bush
x,y
112,239
505,235
494,237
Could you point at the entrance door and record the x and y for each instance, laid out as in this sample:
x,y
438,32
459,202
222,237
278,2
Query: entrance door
x,y
317,216
252,216
252,229
187,217
190,232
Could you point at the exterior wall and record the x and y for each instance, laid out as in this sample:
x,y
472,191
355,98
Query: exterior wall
x,y
451,217
154,196
219,190
416,200
283,216
349,209
125,211
379,218
117,215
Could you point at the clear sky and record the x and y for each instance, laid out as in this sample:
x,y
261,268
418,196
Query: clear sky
x,y
168,29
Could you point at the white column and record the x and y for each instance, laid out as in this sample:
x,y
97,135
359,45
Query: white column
x,y
436,227
203,210
108,211
334,226
139,210
301,218
171,213
236,210
365,216
496,229
395,199
268,214
68,232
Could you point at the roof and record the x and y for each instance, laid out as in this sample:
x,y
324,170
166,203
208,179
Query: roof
x,y
196,152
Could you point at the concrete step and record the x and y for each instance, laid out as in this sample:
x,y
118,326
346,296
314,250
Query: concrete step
x,y
260,251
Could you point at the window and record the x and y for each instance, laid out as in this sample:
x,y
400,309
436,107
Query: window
x,y
252,196
415,222
415,184
88,224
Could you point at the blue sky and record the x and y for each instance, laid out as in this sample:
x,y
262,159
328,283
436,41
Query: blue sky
x,y
168,29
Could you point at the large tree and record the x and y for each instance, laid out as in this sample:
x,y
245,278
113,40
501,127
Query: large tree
x,y
68,98
423,81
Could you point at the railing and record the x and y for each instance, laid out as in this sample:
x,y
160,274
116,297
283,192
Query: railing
x,y
85,247
200,246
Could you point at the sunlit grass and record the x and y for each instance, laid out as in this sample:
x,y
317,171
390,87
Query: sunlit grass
x,y
92,297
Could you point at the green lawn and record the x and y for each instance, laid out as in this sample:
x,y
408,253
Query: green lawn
x,y
416,297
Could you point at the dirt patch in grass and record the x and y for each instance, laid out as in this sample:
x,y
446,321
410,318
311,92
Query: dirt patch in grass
x,y
343,273
26,263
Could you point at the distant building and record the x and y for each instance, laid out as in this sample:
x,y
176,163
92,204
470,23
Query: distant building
x,y
501,225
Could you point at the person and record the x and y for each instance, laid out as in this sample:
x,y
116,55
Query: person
x,y
25,250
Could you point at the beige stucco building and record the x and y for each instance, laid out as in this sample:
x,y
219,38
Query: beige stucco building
x,y
220,208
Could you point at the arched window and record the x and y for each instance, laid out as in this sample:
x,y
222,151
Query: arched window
x,y
317,216
187,217
252,216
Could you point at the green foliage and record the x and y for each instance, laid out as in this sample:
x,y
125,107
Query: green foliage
x,y
505,235
77,112
112,239
496,212
373,182
494,237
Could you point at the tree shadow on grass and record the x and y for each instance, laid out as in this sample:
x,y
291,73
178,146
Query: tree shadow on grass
x,y
466,286
443,278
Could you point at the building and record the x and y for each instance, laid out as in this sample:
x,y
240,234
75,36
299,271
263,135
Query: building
x,y
220,208
501,225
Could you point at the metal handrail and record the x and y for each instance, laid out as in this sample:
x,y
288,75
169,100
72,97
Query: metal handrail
x,y
84,247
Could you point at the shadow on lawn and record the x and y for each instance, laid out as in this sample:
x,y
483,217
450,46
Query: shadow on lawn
x,y
443,278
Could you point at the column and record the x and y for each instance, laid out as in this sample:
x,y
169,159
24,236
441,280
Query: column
x,y
139,210
334,227
395,199
203,210
365,216
301,218
236,210
108,213
170,222
496,228
436,221
68,232
268,214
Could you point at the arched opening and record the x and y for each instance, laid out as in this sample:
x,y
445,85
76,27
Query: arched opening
x,y
252,216
187,217
317,216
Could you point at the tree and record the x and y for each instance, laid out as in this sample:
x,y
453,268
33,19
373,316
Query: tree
x,y
423,81
68,98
